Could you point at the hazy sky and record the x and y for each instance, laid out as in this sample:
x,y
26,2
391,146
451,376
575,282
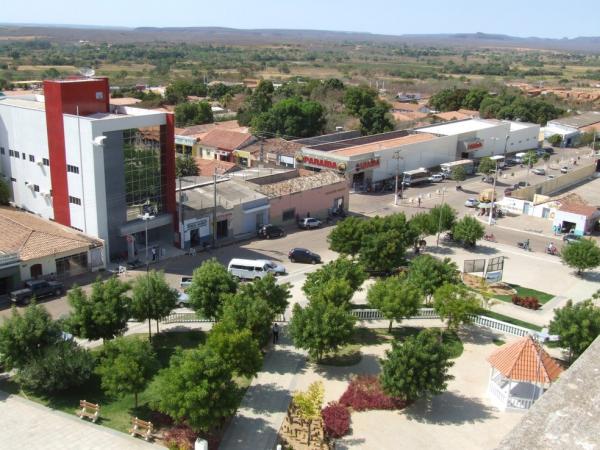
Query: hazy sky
x,y
543,18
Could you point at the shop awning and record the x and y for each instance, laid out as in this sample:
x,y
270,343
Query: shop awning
x,y
256,209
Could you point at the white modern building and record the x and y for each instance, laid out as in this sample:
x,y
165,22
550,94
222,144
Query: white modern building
x,y
71,157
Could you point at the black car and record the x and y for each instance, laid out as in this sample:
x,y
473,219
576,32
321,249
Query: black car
x,y
270,231
304,256
37,289
569,238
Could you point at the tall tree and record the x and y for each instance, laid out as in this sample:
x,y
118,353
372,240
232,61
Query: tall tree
x,y
195,113
248,312
443,217
346,236
291,117
197,388
428,273
577,325
211,282
359,98
335,291
321,327
238,349
339,269
25,336
383,252
185,166
376,119
458,174
101,315
395,297
152,298
455,304
126,366
416,368
581,255
4,193
468,230
266,288
486,165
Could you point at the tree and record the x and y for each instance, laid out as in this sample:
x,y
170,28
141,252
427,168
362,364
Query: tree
x,y
449,99
428,273
359,98
291,117
196,388
468,230
443,217
195,113
376,119
321,327
59,367
238,349
555,140
335,291
458,174
126,366
251,312
185,166
179,90
577,325
346,236
423,224
101,315
395,297
486,165
581,255
26,336
530,158
383,252
4,193
260,101
267,289
339,269
416,368
152,298
455,304
211,282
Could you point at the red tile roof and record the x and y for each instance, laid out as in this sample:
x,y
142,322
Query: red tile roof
x,y
226,139
274,145
520,361
206,167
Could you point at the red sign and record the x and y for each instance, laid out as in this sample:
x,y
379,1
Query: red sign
x,y
320,162
474,145
367,164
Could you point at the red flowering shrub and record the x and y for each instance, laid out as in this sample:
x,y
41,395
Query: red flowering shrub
x,y
364,392
526,302
180,437
336,420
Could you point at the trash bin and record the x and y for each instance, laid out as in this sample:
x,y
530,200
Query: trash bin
x,y
200,444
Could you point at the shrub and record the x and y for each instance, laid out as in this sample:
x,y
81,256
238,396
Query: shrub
x,y
336,420
364,392
526,302
180,437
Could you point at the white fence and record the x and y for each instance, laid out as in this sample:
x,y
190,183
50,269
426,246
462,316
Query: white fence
x,y
429,313
190,317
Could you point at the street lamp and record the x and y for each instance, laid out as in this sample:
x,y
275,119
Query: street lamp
x,y
397,157
495,139
146,217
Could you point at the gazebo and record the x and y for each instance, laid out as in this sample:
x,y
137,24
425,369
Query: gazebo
x,y
521,372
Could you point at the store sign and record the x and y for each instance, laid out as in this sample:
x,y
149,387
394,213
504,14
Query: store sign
x,y
319,162
202,225
185,140
363,165
474,145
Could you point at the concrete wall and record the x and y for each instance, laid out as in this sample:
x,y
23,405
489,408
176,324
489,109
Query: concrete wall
x,y
548,187
315,202
522,140
49,263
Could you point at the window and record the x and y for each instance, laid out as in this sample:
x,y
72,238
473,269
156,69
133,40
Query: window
x,y
74,200
1,150
46,161
24,156
14,180
72,169
31,158
16,153
289,214
72,265
36,188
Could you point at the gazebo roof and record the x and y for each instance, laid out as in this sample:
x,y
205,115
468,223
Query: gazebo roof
x,y
520,361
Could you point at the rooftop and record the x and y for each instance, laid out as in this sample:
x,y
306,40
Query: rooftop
x,y
332,137
226,139
207,167
32,237
406,106
275,145
196,130
229,194
124,101
384,145
26,101
300,184
580,120
458,127
338,145
408,116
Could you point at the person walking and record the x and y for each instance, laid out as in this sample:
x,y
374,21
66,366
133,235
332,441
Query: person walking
x,y
153,254
275,333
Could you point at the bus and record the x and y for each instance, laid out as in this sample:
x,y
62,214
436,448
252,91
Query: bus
x,y
412,177
499,160
448,167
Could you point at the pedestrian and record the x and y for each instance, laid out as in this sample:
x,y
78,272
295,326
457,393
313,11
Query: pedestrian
x,y
419,201
153,254
275,333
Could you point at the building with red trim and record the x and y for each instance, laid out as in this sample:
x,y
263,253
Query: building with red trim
x,y
70,156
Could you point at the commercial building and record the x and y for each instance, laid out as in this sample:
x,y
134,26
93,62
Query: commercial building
x,y
272,152
187,140
571,128
226,145
32,247
71,157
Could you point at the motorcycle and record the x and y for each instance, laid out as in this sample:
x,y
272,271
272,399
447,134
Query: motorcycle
x,y
448,237
524,245
489,237
552,251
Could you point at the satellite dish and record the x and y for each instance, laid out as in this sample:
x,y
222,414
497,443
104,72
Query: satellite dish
x,y
87,72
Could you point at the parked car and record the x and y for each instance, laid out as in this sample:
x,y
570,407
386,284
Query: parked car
x,y
304,256
521,184
508,191
436,178
569,238
471,203
185,282
539,171
249,269
548,150
564,169
309,223
510,162
183,300
37,289
488,178
551,177
270,231
277,269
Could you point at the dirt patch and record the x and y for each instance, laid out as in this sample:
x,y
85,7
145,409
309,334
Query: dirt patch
x,y
477,283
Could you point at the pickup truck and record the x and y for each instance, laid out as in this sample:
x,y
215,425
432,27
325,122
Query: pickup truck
x,y
37,289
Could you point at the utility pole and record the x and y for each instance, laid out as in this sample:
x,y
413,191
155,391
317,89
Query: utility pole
x,y
262,150
437,240
493,194
182,232
214,239
397,157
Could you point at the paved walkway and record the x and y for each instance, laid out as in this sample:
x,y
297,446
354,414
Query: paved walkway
x,y
263,408
25,424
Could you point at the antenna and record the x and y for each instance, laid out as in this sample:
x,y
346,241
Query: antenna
x,y
87,72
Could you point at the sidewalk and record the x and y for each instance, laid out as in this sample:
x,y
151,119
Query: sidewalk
x,y
263,408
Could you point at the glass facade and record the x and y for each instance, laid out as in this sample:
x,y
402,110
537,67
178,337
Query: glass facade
x,y
143,172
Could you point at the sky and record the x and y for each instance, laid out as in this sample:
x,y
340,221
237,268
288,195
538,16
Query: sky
x,y
541,18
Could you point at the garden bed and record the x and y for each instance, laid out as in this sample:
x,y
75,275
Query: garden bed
x,y
543,297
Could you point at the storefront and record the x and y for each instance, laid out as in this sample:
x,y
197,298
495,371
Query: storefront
x,y
196,231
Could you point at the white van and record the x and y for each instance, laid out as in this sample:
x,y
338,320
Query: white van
x,y
249,269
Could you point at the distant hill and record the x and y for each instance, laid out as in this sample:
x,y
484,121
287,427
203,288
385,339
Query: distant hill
x,y
231,36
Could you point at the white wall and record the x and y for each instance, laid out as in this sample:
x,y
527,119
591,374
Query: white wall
x,y
493,139
523,139
578,219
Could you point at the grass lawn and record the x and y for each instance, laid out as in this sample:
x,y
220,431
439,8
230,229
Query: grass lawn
x,y
117,412
543,297
508,319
